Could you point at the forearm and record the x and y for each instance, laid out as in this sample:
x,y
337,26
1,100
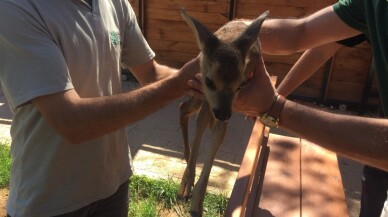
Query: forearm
x,y
81,119
286,36
280,36
359,138
151,72
306,66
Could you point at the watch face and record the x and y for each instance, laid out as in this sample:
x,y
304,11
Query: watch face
x,y
269,121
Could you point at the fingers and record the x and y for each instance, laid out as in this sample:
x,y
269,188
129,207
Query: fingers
x,y
195,85
191,67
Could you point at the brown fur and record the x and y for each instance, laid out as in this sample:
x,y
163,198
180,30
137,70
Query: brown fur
x,y
227,58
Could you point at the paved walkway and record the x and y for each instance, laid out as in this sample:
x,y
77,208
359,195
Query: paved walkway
x,y
156,146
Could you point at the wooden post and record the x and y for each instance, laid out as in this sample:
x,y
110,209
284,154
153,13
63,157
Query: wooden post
x,y
327,77
142,17
232,9
367,88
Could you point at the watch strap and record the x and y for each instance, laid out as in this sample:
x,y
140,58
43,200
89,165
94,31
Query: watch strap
x,y
277,106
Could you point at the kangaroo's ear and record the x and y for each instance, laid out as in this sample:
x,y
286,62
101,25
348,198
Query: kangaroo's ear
x,y
206,40
245,41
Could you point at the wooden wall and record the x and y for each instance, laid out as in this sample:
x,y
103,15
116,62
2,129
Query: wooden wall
x,y
340,80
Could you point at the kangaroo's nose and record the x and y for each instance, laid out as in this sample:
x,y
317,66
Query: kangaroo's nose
x,y
222,114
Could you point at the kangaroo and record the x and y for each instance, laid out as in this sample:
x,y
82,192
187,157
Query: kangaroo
x,y
227,59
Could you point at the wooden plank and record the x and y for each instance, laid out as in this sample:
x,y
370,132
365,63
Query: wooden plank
x,y
174,56
349,75
240,193
344,97
175,26
174,46
295,3
165,14
345,86
161,34
354,59
306,92
257,185
351,65
253,10
281,190
199,6
322,190
362,54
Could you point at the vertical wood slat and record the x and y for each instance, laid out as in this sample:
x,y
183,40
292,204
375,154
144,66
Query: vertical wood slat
x,y
242,187
232,9
142,17
327,78
367,88
250,177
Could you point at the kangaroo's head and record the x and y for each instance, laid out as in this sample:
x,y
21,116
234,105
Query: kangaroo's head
x,y
223,61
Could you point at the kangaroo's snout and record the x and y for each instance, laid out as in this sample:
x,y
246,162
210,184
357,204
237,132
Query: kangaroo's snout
x,y
222,114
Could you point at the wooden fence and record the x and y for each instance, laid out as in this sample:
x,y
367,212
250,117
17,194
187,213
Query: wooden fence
x,y
346,78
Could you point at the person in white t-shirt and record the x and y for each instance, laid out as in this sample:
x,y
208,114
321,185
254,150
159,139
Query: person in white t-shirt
x,y
60,64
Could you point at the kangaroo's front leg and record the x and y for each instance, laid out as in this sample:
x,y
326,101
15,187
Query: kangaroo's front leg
x,y
189,175
187,108
199,190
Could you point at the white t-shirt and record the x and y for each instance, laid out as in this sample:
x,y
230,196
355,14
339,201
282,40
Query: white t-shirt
x,y
48,47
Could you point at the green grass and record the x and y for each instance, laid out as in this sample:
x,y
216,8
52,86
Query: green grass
x,y
150,197
5,164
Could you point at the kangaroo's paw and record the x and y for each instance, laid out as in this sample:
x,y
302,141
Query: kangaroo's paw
x,y
186,185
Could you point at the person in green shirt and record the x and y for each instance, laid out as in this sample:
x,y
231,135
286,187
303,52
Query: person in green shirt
x,y
359,138
374,181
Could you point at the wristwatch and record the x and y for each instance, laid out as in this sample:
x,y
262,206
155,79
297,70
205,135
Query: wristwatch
x,y
271,118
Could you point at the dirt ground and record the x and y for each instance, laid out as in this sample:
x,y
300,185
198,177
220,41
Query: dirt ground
x,y
3,201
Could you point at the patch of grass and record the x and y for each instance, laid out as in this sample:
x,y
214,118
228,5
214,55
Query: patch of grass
x,y
143,208
149,194
5,164
149,197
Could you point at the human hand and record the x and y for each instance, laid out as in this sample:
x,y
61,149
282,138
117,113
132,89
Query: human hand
x,y
189,78
257,96
195,85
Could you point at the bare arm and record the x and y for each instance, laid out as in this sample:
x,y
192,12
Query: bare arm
x,y
81,119
306,66
151,71
286,36
362,139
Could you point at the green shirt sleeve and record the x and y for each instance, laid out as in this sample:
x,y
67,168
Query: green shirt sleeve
x,y
352,13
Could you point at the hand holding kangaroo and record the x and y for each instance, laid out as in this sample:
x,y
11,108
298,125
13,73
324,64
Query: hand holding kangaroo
x,y
227,59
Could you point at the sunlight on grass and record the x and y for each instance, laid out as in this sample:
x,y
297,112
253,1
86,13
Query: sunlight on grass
x,y
5,164
149,197
149,194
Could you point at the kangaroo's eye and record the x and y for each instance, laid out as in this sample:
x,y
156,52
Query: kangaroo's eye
x,y
209,83
243,84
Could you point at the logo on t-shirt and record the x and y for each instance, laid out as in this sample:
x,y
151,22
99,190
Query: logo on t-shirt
x,y
114,38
